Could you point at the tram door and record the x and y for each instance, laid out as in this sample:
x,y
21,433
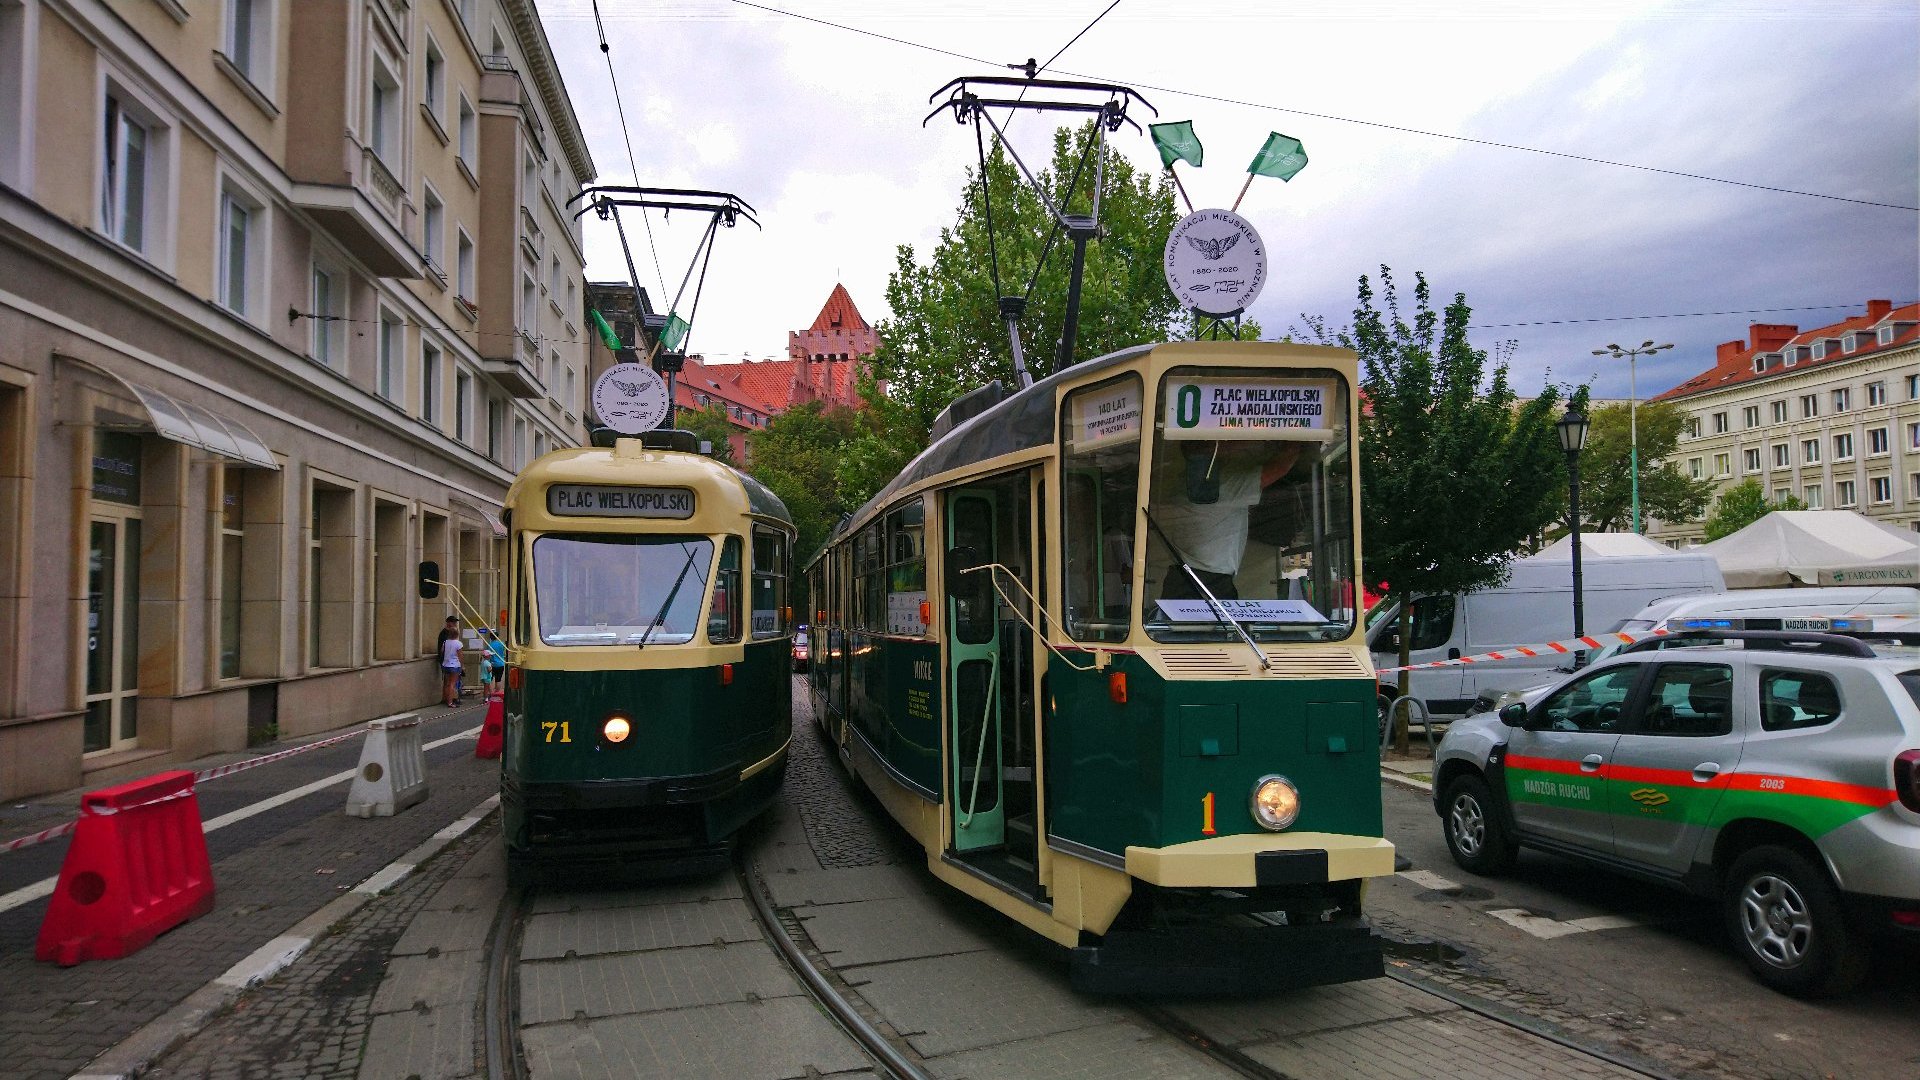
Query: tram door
x,y
990,676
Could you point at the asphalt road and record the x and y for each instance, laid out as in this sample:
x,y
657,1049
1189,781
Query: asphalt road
x,y
1667,987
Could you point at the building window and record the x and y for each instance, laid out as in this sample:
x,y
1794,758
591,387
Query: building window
x,y
1781,495
232,534
1842,399
463,267
539,445
1809,406
434,95
1723,464
240,243
328,301
496,428
1913,436
1877,442
1750,416
573,302
1693,468
433,215
1780,412
1810,452
1752,458
388,377
463,407
529,305
1879,490
1719,423
1913,387
1782,455
469,134
570,403
519,448
1913,486
1876,393
124,187
529,181
1843,493
383,134
1819,350
430,384
249,38
1843,446
1811,496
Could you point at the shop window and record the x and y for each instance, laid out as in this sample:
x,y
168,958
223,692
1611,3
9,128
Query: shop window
x,y
330,592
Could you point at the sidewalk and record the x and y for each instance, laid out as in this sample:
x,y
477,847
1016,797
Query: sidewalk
x,y
271,870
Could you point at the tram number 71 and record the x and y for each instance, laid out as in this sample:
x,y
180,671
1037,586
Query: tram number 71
x,y
550,727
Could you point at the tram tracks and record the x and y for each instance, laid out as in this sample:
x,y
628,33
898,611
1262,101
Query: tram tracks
x,y
500,1003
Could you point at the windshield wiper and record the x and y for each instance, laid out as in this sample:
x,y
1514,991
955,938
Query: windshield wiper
x,y
1213,604
661,615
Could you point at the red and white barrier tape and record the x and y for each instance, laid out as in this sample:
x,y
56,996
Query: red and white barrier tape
x,y
61,830
1551,648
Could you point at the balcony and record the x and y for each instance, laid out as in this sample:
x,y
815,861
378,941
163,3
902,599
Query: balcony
x,y
369,218
516,374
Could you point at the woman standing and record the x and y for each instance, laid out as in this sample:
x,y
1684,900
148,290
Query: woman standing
x,y
450,665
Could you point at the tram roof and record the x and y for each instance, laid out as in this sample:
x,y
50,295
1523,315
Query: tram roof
x,y
588,464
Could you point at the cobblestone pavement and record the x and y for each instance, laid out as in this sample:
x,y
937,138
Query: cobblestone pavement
x,y
844,827
311,1022
270,871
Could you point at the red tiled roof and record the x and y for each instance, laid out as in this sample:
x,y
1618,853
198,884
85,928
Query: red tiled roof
x,y
1734,361
838,312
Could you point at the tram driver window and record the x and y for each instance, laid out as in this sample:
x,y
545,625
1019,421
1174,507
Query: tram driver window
x,y
615,589
1100,499
723,620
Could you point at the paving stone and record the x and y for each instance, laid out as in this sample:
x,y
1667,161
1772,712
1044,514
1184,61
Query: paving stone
x,y
895,928
450,980
1117,1051
846,885
780,1039
1457,1044
613,984
414,1044
721,886
1319,1008
469,894
447,931
949,1004
606,930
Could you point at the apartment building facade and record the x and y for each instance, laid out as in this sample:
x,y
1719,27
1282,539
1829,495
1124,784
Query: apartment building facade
x,y
288,291
1830,416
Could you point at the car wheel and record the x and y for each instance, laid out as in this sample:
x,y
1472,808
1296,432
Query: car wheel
x,y
1785,919
1476,833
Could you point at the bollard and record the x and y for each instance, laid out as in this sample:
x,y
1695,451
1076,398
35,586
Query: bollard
x,y
492,730
393,768
137,867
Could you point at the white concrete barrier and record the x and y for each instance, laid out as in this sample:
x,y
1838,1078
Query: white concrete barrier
x,y
393,768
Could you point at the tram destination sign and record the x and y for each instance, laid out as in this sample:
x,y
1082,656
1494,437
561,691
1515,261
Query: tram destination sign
x,y
1209,408
608,500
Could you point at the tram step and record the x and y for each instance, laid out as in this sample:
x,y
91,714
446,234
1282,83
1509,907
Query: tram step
x,y
1021,826
1017,773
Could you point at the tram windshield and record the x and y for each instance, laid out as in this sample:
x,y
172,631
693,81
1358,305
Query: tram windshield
x,y
1250,507
593,589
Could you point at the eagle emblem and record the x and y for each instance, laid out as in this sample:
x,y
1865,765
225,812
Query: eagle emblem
x,y
1212,250
627,388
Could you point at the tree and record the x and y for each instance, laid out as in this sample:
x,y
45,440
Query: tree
x,y
1456,471
798,456
946,337
710,423
1743,504
1606,469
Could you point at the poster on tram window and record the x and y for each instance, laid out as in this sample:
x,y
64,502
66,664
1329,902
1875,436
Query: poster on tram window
x,y
1246,611
1220,408
903,612
1107,416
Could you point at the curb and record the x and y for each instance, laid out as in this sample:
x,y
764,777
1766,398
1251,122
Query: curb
x,y
1405,781
138,1052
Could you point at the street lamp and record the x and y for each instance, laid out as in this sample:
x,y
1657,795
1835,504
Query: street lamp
x,y
1647,348
1573,439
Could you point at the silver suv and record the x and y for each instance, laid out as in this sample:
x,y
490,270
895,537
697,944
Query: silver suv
x,y
1779,772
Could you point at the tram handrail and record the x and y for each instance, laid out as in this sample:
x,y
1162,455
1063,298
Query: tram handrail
x,y
994,580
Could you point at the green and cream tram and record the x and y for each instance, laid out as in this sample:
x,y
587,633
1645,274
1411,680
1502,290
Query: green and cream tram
x,y
648,702
1099,650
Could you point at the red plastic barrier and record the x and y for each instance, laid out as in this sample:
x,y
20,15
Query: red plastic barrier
x,y
137,867
493,731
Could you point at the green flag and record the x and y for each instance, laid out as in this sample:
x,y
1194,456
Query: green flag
x,y
1177,141
672,334
1281,157
606,332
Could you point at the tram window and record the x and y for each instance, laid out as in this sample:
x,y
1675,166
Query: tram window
x,y
1251,499
614,589
973,613
1100,497
769,582
723,621
906,570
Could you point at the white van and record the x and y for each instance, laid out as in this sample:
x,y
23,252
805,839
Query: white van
x,y
1534,606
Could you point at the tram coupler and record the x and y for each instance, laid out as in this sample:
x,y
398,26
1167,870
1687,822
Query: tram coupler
x,y
1203,961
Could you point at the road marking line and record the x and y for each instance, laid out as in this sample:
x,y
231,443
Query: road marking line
x,y
1427,879
1542,927
27,894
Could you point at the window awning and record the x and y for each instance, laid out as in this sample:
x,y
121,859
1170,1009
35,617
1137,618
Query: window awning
x,y
186,423
492,519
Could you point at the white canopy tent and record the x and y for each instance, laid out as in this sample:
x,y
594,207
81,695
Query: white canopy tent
x,y
1602,545
1816,547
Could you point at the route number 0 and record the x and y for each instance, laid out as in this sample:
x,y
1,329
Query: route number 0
x,y
1206,815
549,727
1186,408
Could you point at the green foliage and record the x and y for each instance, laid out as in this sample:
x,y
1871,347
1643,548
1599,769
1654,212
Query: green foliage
x,y
1741,505
798,455
710,423
1606,469
946,337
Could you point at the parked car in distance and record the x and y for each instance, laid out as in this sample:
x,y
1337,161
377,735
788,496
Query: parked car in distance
x,y
800,648
1778,772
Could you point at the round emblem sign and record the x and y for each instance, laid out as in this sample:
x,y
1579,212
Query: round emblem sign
x,y
630,398
1215,262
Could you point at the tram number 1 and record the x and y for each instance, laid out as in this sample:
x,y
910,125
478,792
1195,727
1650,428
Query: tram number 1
x,y
1206,815
550,727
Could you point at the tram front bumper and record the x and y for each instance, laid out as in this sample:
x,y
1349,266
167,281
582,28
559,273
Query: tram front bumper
x,y
1251,860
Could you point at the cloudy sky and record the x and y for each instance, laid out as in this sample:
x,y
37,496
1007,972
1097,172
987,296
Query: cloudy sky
x,y
819,127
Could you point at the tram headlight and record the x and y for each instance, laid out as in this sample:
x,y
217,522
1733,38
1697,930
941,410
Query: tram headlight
x,y
616,729
1275,803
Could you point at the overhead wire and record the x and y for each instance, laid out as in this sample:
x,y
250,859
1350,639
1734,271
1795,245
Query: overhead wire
x,y
1221,99
626,135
